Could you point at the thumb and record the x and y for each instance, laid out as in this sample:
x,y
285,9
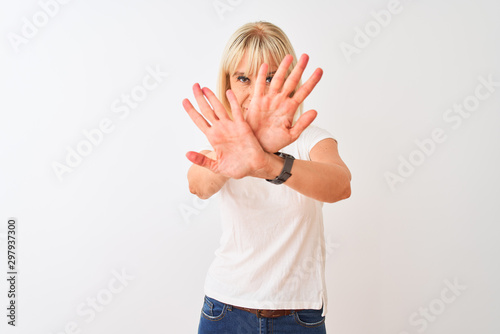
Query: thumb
x,y
200,159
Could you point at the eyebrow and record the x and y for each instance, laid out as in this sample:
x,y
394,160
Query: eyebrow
x,y
242,73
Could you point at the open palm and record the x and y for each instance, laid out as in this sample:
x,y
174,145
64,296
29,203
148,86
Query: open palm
x,y
270,114
238,152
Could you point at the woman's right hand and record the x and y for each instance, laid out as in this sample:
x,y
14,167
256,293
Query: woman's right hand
x,y
237,150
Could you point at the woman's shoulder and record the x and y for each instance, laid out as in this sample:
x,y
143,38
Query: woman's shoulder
x,y
308,138
314,133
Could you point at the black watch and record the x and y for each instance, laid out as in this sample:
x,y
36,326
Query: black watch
x,y
287,167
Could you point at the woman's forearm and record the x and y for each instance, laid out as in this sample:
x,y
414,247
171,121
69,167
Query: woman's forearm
x,y
203,182
324,182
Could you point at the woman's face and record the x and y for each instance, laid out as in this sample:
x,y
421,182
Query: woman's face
x,y
242,84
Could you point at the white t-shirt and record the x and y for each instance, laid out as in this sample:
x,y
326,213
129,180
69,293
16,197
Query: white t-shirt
x,y
272,248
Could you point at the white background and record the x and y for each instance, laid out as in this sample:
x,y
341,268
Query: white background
x,y
126,207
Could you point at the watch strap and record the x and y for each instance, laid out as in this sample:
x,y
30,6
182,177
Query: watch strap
x,y
286,171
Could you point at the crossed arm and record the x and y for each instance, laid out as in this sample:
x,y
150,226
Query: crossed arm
x,y
242,146
325,178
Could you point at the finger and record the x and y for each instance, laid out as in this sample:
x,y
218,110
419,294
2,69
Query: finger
x,y
235,106
303,122
205,108
200,159
279,77
293,79
260,84
200,122
220,110
306,89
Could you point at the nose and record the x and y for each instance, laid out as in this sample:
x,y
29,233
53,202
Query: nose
x,y
249,94
251,88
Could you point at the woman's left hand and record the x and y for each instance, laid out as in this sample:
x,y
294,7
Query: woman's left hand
x,y
270,114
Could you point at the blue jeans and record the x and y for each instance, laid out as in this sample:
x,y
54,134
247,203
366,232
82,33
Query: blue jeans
x,y
219,318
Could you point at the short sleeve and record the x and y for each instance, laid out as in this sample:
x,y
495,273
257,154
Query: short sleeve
x,y
313,135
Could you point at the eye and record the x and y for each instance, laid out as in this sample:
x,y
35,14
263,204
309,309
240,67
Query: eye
x,y
242,78
268,79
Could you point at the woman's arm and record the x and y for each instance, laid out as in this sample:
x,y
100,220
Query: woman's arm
x,y
325,178
237,154
203,182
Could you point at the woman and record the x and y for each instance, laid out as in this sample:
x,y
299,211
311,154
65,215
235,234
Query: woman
x,y
269,271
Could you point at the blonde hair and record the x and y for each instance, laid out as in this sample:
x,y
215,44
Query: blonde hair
x,y
264,43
